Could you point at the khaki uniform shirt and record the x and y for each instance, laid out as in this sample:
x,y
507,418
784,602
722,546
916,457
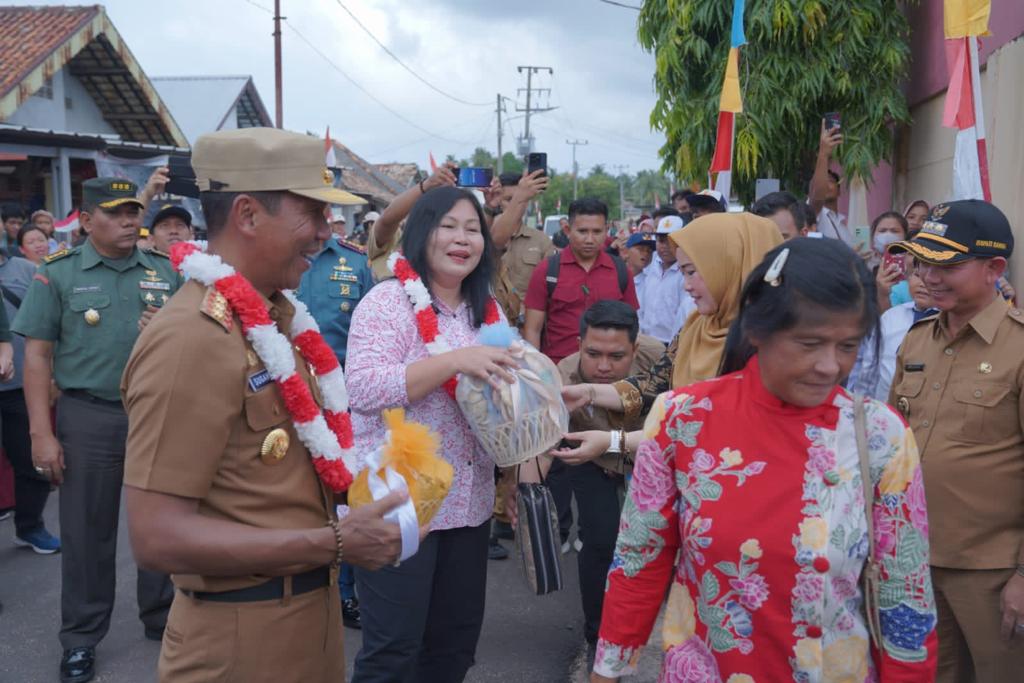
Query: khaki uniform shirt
x,y
201,408
962,398
526,248
648,351
379,253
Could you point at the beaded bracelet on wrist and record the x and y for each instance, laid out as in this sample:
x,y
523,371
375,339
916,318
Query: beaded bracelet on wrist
x,y
337,539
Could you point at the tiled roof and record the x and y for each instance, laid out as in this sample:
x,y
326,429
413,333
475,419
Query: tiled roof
x,y
406,175
360,176
29,34
37,42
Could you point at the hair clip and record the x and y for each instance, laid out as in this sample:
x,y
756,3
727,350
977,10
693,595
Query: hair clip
x,y
774,274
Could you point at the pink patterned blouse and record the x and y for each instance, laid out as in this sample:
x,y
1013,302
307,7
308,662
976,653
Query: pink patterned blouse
x,y
382,342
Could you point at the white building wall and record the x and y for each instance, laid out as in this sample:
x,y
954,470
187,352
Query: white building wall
x,y
52,113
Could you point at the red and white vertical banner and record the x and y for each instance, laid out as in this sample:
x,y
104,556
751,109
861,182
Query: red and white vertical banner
x,y
964,21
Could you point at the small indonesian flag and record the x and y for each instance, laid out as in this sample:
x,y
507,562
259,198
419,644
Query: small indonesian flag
x,y
67,225
330,158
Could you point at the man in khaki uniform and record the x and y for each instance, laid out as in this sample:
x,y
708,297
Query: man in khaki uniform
x,y
958,382
220,491
611,349
524,247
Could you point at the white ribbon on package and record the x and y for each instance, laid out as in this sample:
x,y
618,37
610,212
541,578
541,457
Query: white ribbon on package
x,y
405,514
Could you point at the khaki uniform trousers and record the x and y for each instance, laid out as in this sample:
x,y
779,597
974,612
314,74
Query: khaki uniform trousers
x,y
295,639
971,649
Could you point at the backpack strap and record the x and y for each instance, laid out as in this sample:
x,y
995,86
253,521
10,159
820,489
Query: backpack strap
x,y
622,271
554,265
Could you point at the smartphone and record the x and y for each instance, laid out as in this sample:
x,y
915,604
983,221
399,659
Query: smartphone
x,y
890,259
537,161
833,120
474,177
182,178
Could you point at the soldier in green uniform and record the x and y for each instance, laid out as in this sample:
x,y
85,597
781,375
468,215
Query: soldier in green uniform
x,y
337,279
80,318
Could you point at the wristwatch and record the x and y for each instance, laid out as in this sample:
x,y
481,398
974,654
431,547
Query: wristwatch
x,y
616,441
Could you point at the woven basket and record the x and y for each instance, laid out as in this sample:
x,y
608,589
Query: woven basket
x,y
514,430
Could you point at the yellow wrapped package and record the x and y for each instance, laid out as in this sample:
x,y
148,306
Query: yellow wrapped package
x,y
410,451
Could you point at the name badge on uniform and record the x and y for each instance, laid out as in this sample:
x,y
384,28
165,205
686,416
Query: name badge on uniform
x,y
149,284
913,367
86,288
259,380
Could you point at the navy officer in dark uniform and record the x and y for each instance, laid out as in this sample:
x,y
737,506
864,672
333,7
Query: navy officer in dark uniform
x,y
337,279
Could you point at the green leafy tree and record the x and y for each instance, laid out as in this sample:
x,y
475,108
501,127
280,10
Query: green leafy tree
x,y
802,58
645,185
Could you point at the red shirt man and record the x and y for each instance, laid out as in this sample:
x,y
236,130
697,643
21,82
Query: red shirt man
x,y
586,274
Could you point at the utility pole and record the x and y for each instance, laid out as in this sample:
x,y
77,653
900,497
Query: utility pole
x,y
526,145
499,110
277,65
575,168
619,168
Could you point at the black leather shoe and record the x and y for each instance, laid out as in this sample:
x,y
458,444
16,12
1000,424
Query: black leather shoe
x,y
496,551
153,633
350,613
78,665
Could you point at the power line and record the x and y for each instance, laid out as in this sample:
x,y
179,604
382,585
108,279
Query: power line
x,y
621,4
366,92
406,66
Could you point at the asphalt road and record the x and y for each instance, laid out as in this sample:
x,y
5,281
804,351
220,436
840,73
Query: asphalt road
x,y
525,638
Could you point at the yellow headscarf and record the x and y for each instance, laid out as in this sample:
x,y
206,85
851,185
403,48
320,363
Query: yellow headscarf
x,y
724,248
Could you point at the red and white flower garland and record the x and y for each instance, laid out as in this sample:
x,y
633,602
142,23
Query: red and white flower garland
x,y
328,433
426,316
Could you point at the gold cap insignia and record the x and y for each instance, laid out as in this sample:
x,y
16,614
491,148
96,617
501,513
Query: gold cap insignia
x,y
939,210
328,176
274,447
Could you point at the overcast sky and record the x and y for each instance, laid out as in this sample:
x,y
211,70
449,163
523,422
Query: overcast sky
x,y
602,79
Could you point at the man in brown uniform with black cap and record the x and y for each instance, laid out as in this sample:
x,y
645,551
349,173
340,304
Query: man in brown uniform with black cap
x,y
958,382
221,492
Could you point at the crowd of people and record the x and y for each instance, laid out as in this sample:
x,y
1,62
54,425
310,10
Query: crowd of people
x,y
806,449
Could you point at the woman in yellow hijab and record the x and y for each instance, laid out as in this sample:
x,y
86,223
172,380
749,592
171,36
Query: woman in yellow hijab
x,y
716,252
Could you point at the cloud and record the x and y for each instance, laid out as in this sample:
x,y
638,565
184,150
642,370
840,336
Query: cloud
x,y
470,49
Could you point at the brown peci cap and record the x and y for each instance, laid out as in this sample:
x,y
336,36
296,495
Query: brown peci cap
x,y
266,160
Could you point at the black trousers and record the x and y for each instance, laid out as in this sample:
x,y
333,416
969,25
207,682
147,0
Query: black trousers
x,y
30,489
93,436
558,483
422,619
597,502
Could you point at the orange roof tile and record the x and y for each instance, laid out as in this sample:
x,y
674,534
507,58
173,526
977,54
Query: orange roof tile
x,y
28,35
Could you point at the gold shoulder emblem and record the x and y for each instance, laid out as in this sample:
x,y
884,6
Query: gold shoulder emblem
x,y
216,306
57,255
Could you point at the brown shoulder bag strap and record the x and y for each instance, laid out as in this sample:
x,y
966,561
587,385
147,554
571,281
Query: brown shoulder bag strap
x,y
871,575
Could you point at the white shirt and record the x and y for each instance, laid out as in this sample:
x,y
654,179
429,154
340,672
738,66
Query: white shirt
x,y
664,304
833,224
871,376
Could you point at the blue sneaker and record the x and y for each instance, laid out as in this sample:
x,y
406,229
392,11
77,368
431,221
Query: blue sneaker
x,y
40,540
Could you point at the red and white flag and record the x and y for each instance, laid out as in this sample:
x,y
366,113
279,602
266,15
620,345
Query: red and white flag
x,y
965,20
68,224
433,164
330,158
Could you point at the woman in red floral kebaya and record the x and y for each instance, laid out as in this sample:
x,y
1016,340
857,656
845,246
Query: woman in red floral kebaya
x,y
747,503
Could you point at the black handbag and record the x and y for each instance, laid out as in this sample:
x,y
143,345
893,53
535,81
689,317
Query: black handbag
x,y
537,539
